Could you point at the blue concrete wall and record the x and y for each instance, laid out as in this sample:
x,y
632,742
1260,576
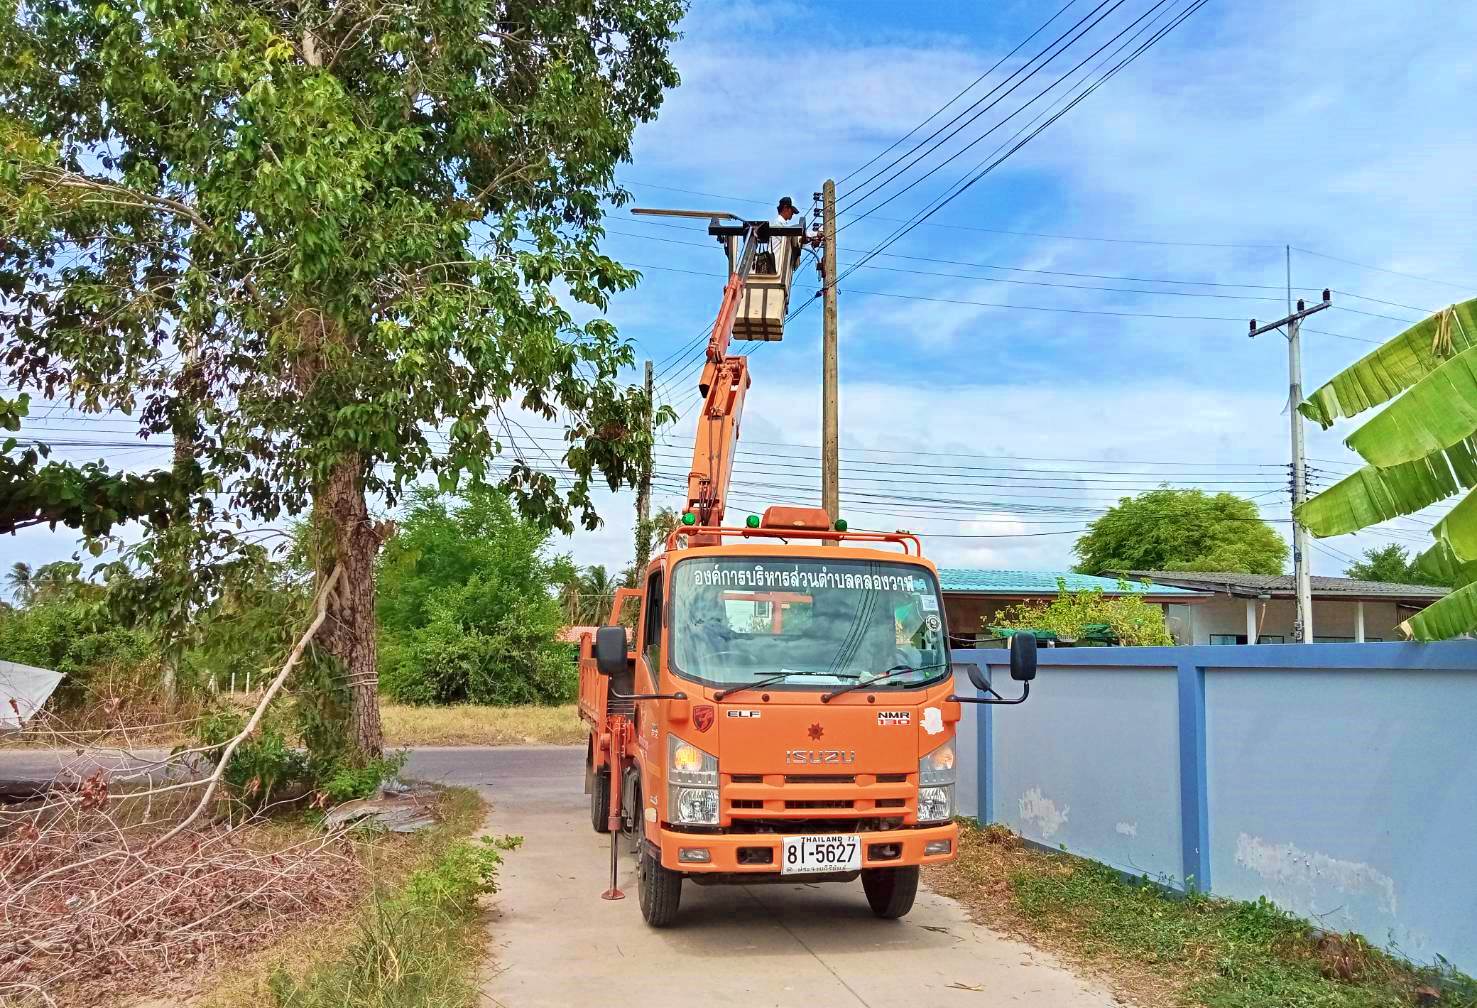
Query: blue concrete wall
x,y
1338,781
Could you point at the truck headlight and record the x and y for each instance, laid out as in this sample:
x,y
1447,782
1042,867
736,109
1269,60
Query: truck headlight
x,y
935,804
696,806
692,784
938,766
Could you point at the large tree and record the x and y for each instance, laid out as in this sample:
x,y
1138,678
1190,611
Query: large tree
x,y
1389,563
1182,530
330,247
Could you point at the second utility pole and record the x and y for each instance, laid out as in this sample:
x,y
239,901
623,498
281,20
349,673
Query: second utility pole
x,y
1302,627
643,491
830,423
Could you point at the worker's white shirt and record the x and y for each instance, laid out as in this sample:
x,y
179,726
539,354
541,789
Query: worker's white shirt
x,y
778,221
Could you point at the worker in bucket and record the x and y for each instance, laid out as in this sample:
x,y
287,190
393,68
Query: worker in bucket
x,y
783,248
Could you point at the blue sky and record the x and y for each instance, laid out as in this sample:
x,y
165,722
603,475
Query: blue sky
x,y
1343,128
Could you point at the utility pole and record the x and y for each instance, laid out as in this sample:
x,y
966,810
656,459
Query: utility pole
x,y
830,424
1302,628
643,490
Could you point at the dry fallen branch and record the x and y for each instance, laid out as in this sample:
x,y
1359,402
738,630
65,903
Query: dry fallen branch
x,y
213,781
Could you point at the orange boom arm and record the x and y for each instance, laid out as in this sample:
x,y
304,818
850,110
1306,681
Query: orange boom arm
x,y
723,384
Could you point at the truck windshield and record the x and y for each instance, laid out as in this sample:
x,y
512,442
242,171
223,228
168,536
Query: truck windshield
x,y
829,622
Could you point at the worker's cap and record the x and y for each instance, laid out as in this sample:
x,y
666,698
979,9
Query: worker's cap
x,y
785,201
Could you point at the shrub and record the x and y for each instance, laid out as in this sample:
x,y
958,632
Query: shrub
x,y
95,661
466,608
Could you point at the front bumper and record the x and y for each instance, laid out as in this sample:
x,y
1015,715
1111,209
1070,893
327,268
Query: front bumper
x,y
736,852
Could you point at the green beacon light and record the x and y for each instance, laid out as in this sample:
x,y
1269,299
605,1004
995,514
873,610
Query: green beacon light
x,y
688,518
752,521
840,524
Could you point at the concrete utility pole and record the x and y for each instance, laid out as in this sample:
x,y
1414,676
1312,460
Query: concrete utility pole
x,y
643,491
1302,628
830,424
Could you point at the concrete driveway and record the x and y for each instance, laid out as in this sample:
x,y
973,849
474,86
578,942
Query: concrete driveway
x,y
554,942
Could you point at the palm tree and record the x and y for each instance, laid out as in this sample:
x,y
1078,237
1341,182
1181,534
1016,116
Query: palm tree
x,y
22,582
1420,449
597,590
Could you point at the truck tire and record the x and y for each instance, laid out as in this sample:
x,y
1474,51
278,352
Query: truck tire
x,y
600,801
660,890
891,891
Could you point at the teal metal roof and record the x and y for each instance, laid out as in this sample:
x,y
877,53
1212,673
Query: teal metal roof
x,y
1012,582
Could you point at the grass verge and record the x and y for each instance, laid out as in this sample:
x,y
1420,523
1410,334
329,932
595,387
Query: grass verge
x,y
473,725
415,941
1162,951
465,724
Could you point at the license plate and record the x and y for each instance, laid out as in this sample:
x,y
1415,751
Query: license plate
x,y
808,855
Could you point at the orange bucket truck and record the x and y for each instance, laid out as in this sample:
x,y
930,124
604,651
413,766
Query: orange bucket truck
x,y
782,706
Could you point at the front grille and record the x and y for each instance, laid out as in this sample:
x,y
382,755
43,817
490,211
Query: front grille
x,y
798,827
820,778
892,803
747,778
746,803
892,778
818,804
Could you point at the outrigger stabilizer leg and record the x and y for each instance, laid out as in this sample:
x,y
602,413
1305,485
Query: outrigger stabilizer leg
x,y
617,757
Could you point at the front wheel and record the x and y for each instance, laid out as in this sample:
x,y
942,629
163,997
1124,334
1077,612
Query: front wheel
x,y
660,890
891,891
600,801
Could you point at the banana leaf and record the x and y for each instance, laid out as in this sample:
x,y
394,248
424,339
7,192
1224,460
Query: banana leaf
x,y
1373,495
1458,530
1440,566
1384,373
1435,413
1445,618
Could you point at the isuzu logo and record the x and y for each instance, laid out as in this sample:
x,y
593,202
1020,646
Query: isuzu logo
x,y
821,756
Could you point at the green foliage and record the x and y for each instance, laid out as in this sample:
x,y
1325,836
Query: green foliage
x,y
1181,530
89,498
466,607
263,766
1129,619
65,628
268,766
368,229
1389,563
413,948
1420,449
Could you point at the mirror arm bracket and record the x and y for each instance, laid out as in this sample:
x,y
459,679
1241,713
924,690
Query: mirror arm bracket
x,y
998,699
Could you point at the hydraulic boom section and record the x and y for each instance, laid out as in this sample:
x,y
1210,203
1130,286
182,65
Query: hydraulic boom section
x,y
755,301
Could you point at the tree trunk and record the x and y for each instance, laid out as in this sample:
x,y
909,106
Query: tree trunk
x,y
349,633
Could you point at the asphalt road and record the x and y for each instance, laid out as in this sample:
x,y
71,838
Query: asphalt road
x,y
554,942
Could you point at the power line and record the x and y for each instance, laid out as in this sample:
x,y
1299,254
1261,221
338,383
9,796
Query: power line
x,y
988,230
972,84
1381,269
944,201
978,112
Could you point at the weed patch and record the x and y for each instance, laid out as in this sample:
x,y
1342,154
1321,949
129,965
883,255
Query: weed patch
x,y
1159,949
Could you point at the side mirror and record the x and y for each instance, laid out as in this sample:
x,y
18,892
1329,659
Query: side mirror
x,y
610,650
1022,657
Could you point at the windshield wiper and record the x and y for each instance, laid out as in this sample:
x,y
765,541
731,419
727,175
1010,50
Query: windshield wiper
x,y
774,679
885,674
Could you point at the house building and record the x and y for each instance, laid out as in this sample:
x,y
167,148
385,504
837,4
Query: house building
x,y
1259,608
972,598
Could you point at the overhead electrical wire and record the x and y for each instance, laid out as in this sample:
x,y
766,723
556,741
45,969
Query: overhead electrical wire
x,y
969,87
849,205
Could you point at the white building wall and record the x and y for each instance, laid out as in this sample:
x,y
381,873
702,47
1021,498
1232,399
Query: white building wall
x,y
1223,617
